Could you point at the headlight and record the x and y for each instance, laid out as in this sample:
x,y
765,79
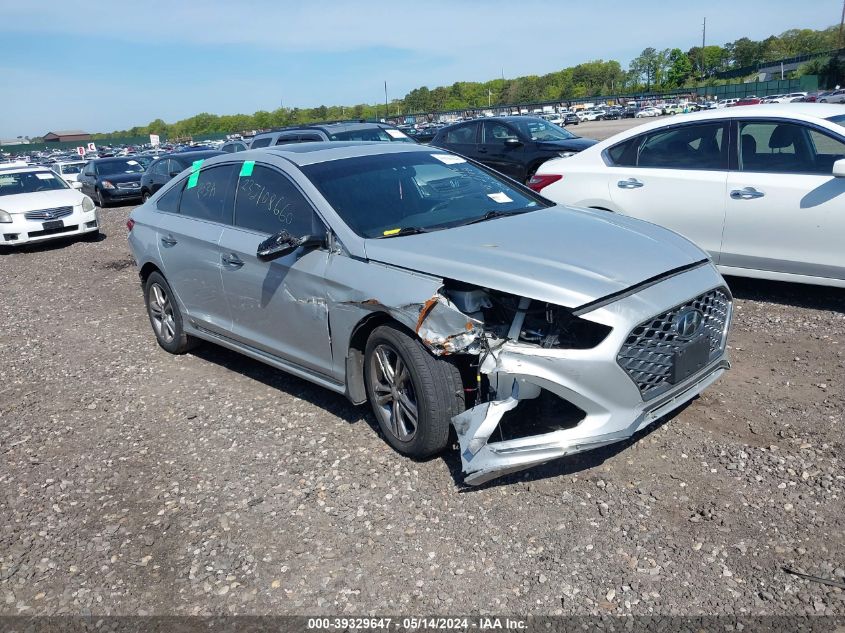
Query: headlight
x,y
566,154
87,204
5,218
107,184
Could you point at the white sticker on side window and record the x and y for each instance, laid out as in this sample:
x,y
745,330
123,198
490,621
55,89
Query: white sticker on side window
x,y
395,133
448,159
131,162
499,197
44,176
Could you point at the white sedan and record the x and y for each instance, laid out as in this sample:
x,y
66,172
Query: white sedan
x,y
648,112
37,205
761,188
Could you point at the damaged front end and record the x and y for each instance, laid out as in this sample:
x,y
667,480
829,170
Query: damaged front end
x,y
542,382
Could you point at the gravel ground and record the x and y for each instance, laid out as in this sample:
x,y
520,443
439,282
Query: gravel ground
x,y
135,482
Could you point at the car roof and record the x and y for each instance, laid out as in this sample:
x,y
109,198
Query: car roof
x,y
302,154
340,126
190,156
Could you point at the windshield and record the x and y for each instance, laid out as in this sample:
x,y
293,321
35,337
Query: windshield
x,y
71,168
839,119
379,196
119,166
30,182
372,134
540,130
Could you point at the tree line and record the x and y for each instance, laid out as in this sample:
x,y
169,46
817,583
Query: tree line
x,y
651,70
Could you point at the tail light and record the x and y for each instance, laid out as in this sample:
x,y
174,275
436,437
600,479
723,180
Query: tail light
x,y
539,181
130,223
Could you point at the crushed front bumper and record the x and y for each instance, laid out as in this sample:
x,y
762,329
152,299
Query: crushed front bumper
x,y
592,380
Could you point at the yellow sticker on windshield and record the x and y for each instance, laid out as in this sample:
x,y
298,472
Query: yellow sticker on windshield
x,y
391,232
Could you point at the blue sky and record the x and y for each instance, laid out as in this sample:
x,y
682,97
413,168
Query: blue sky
x,y
101,66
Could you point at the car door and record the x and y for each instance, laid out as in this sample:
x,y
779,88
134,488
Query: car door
x,y
88,177
462,139
502,149
675,177
277,306
785,209
188,244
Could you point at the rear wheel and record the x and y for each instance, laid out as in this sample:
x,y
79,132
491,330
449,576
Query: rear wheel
x,y
413,394
165,316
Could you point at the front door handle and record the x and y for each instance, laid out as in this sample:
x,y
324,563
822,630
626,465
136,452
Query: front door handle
x,y
231,260
748,193
631,183
482,150
168,240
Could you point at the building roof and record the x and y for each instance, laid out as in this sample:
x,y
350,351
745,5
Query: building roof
x,y
67,133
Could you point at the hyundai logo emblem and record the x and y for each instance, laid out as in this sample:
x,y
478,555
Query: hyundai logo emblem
x,y
688,322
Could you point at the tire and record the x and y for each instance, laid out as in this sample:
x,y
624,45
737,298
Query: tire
x,y
427,386
165,316
145,195
98,198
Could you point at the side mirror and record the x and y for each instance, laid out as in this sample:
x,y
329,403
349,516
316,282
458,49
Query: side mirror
x,y
512,142
76,184
283,243
839,168
173,174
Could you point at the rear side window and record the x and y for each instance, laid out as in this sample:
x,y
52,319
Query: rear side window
x,y
210,197
267,201
464,134
169,201
261,142
625,153
702,146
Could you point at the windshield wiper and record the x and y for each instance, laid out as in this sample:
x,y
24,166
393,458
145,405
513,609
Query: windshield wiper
x,y
405,230
490,215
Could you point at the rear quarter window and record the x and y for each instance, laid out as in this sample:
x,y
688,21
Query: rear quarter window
x,y
261,142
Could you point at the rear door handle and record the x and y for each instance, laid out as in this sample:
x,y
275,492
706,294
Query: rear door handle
x,y
747,193
631,183
231,260
168,240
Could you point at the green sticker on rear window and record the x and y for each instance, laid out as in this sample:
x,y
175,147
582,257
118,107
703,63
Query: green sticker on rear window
x,y
192,180
195,166
246,169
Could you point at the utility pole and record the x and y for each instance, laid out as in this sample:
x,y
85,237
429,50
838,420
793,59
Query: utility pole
x,y
703,35
839,40
386,113
488,97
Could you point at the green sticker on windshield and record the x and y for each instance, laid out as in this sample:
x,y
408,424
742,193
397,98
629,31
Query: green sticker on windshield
x,y
246,169
195,166
192,180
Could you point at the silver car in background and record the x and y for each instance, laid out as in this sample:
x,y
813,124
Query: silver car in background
x,y
442,293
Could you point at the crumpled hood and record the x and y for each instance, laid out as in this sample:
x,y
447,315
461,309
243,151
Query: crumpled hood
x,y
562,255
23,202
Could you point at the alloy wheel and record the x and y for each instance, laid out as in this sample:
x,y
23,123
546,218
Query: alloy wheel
x,y
161,313
393,388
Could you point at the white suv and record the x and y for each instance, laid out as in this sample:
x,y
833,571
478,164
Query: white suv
x,y
37,205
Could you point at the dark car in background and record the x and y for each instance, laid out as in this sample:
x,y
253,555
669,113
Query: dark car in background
x,y
166,167
112,180
230,147
513,145
345,131
570,118
612,113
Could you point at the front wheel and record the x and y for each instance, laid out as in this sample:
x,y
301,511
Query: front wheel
x,y
413,394
145,195
165,316
99,197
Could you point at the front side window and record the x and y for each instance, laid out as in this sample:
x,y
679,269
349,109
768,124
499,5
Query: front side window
x,y
30,182
702,146
71,168
780,147
268,202
209,196
160,168
463,135
388,195
494,133
540,130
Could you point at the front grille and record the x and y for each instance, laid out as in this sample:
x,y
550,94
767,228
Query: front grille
x,y
128,185
648,352
48,214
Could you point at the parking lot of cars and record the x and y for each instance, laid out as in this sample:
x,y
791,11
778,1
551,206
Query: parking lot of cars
x,y
211,483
